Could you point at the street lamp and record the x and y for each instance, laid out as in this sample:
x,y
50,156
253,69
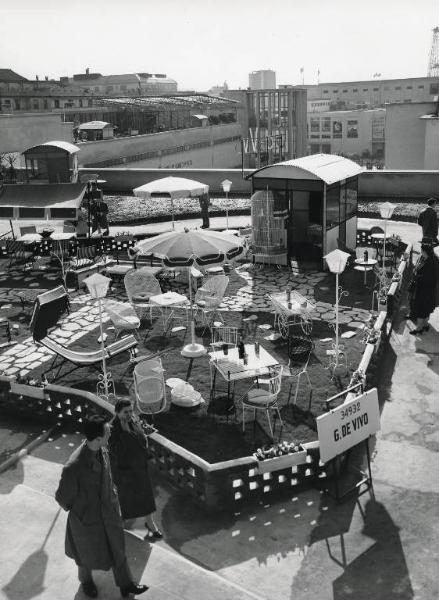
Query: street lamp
x,y
226,185
97,286
336,261
386,212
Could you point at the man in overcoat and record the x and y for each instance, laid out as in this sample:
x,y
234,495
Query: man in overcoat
x,y
94,535
427,219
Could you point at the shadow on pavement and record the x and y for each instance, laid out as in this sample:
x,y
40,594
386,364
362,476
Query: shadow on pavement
x,y
381,572
28,581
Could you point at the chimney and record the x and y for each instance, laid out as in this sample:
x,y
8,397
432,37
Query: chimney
x,y
87,71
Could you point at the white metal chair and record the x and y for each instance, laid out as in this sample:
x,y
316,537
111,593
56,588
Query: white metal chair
x,y
140,285
209,297
122,316
224,336
299,355
149,387
258,398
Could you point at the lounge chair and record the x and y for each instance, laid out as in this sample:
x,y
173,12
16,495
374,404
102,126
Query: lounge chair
x,y
85,359
48,309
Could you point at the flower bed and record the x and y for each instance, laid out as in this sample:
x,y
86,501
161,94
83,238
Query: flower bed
x,y
129,209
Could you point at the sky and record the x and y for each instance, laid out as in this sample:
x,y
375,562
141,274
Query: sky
x,y
202,43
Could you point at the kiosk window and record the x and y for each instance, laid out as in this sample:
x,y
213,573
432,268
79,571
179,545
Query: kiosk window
x,y
332,206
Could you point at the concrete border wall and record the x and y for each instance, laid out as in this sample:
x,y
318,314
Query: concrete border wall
x,y
373,185
125,179
405,185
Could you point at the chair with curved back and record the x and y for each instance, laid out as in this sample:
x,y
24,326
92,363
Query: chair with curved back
x,y
209,297
122,316
140,285
300,349
264,398
149,387
224,336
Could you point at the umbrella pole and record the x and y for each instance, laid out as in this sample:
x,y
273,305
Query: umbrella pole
x,y
172,216
192,350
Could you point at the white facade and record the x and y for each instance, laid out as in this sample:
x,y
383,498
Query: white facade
x,y
262,80
348,133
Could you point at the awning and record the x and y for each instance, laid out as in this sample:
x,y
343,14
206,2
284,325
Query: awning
x,y
96,125
330,168
41,201
66,146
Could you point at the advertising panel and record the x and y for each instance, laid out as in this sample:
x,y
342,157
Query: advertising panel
x,y
348,425
352,129
337,129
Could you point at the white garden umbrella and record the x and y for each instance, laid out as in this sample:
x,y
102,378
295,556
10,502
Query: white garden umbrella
x,y
188,247
173,188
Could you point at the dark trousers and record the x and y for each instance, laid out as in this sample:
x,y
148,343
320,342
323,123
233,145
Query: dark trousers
x,y
122,574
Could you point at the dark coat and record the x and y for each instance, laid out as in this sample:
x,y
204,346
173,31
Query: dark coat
x,y
94,534
129,464
423,288
428,221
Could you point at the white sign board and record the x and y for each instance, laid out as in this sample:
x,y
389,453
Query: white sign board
x,y
348,424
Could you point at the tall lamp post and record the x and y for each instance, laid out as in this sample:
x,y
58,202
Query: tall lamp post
x,y
226,185
386,212
97,286
336,261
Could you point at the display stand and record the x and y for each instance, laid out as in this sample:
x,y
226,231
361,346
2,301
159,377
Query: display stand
x,y
365,483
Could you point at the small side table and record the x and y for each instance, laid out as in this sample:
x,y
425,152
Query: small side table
x,y
365,266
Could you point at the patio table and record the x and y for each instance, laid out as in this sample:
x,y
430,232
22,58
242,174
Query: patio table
x,y
231,368
295,310
365,265
168,303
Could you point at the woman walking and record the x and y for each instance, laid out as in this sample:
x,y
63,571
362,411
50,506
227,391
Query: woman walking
x,y
128,447
422,289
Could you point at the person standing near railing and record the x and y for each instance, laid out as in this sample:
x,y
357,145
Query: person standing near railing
x,y
427,219
94,534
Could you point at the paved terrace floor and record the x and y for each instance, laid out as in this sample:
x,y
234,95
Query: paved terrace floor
x,y
304,548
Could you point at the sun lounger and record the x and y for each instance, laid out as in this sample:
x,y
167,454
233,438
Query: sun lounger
x,y
84,359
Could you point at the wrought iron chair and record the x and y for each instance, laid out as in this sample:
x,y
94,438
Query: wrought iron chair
x,y
224,336
300,350
209,297
140,285
122,316
149,387
258,398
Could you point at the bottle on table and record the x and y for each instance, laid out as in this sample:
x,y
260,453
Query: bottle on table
x,y
366,256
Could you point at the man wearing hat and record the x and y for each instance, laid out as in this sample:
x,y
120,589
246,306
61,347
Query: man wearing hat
x,y
427,219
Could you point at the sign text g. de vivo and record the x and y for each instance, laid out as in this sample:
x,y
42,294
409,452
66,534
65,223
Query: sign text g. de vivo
x,y
348,424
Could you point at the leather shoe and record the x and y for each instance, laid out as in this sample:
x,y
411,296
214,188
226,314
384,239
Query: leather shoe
x,y
133,589
89,588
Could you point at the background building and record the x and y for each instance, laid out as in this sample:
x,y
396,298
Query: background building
x,y
353,133
262,80
128,84
412,136
273,125
374,93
